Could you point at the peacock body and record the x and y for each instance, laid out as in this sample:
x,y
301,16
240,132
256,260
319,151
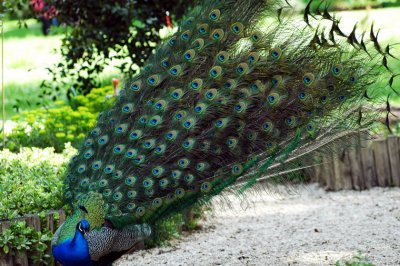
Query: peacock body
x,y
222,102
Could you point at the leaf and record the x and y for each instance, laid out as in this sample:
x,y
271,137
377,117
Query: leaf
x,y
6,249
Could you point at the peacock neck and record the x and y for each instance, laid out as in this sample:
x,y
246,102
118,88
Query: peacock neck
x,y
74,251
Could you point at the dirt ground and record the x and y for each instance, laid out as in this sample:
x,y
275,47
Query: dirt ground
x,y
307,227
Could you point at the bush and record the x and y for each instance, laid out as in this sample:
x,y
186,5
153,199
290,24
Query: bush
x,y
22,238
63,123
31,180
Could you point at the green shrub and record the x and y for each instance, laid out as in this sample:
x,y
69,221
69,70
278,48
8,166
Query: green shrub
x,y
358,260
31,180
63,123
22,238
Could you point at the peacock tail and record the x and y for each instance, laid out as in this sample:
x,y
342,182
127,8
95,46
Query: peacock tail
x,y
229,98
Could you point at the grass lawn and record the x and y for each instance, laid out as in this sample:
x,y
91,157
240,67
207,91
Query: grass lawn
x,y
28,53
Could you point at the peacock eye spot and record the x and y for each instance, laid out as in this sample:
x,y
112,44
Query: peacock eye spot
x,y
271,99
275,54
152,80
309,127
187,124
179,116
307,80
195,85
238,107
213,16
302,95
254,37
217,35
188,56
341,98
202,30
323,98
154,121
198,109
221,58
240,70
236,29
214,72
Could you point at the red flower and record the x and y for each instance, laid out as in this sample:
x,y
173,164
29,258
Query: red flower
x,y
37,5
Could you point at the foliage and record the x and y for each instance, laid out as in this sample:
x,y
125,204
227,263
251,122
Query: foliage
x,y
101,31
63,123
355,4
16,9
173,226
22,238
357,260
31,180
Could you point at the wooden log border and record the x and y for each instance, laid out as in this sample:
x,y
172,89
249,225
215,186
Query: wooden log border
x,y
367,164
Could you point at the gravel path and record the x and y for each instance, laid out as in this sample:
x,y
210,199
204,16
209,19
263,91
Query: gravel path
x,y
311,227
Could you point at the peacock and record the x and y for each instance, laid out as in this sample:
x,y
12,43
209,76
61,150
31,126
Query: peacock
x,y
242,92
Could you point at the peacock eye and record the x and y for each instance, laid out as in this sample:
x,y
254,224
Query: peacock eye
x,y
83,208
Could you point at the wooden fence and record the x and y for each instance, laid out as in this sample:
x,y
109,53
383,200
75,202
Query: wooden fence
x,y
22,258
366,164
